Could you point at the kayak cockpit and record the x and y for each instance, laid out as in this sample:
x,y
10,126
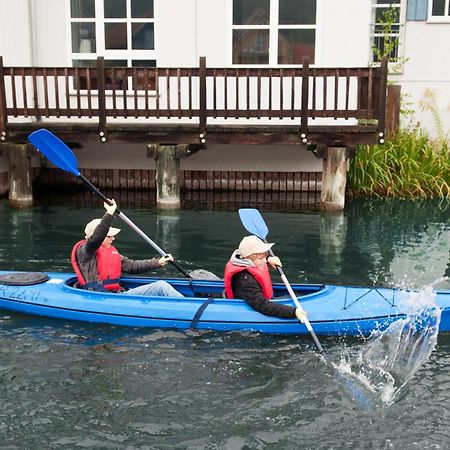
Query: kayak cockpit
x,y
210,288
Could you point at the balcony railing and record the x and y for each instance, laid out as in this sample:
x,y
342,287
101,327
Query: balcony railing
x,y
200,95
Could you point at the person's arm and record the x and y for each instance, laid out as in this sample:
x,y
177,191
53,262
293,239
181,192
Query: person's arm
x,y
139,266
95,241
143,265
245,286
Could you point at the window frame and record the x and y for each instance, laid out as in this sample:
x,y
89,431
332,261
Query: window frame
x,y
438,19
129,55
402,5
274,26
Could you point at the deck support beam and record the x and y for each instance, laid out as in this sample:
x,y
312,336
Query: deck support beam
x,y
19,168
334,179
167,176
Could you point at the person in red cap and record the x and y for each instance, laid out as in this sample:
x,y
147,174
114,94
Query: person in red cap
x,y
247,276
98,265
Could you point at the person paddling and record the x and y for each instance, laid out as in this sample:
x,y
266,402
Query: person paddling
x,y
98,265
247,276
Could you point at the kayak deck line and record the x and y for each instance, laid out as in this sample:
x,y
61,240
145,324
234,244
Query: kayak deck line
x,y
392,303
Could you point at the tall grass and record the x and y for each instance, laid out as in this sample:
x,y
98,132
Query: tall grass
x,y
408,165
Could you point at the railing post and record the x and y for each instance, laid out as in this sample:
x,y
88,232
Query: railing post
x,y
202,99
305,98
37,113
383,73
101,98
3,112
392,109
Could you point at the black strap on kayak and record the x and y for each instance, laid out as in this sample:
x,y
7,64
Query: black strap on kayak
x,y
100,287
200,310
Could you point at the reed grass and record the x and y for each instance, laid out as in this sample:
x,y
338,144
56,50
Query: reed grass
x,y
409,165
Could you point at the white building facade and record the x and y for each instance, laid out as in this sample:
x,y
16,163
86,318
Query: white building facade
x,y
240,33
230,33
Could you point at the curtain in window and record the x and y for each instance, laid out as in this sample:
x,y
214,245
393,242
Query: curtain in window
x,y
417,10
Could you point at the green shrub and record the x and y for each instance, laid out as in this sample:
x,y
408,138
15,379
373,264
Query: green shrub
x,y
408,165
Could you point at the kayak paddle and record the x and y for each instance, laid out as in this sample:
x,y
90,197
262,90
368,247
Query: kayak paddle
x,y
61,156
254,223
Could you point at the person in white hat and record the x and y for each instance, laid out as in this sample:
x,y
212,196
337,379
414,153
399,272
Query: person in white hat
x,y
247,276
98,264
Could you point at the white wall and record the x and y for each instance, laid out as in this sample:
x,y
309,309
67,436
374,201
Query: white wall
x,y
15,33
41,41
175,34
198,28
281,158
51,33
343,33
113,156
213,31
426,72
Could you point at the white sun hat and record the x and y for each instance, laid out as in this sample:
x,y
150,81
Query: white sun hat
x,y
253,244
93,224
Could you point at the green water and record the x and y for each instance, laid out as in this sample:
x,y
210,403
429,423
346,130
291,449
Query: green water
x,y
72,385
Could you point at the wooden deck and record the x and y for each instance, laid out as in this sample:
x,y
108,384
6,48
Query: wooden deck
x,y
197,106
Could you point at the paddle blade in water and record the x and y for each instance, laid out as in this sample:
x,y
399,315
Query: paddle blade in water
x,y
55,150
253,222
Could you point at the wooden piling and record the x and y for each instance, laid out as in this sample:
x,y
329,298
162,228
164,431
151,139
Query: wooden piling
x,y
334,179
167,177
19,168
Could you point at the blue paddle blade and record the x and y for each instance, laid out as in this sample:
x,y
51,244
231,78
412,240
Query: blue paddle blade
x,y
253,222
54,150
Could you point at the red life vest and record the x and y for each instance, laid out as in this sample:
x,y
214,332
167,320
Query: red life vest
x,y
261,275
109,267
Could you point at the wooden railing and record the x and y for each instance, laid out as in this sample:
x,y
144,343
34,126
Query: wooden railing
x,y
202,95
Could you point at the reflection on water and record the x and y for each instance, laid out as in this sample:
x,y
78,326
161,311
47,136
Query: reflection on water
x,y
389,242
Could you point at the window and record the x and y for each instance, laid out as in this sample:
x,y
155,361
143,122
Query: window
x,y
274,31
123,31
386,29
440,9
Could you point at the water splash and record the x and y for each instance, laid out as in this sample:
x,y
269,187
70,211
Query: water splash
x,y
389,359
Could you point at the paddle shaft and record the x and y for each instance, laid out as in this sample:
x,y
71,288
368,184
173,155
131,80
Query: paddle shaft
x,y
131,224
297,304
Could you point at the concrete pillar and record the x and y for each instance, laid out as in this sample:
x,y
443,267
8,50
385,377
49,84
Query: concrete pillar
x,y
334,179
167,177
19,168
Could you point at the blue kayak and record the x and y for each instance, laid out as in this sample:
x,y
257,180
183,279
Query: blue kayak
x,y
332,310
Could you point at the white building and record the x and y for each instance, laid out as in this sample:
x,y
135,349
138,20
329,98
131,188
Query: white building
x,y
240,33
175,33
